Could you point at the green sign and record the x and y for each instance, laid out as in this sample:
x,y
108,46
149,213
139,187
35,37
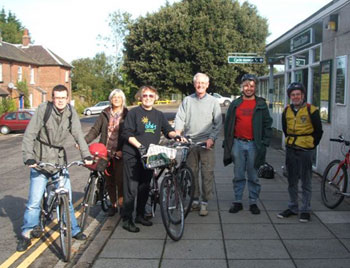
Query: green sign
x,y
245,59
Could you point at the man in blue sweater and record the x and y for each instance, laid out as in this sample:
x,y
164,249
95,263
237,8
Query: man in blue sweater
x,y
199,117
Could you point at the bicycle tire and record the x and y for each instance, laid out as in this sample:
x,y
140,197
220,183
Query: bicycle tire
x,y
104,197
334,184
43,209
153,199
86,203
64,223
186,184
171,208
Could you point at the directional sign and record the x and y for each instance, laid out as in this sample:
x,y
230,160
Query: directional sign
x,y
245,59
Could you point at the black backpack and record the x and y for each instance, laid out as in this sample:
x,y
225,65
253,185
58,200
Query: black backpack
x,y
47,115
266,171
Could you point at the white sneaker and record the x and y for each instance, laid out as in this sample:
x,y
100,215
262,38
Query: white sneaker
x,y
203,210
195,206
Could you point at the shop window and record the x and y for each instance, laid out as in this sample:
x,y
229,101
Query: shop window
x,y
316,54
302,59
289,63
325,89
340,80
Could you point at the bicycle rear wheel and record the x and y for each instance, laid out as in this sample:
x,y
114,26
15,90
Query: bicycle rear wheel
x,y
104,197
186,185
153,199
87,202
171,208
334,184
64,223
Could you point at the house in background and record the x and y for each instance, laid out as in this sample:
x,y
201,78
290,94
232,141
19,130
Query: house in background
x,y
38,66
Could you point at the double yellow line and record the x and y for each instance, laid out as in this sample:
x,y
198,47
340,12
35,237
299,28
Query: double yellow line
x,y
35,254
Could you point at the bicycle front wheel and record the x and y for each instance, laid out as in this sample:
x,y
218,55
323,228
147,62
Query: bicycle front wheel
x,y
186,185
334,184
87,202
65,229
171,208
104,197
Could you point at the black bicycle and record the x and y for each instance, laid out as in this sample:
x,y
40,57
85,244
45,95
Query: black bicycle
x,y
56,196
94,192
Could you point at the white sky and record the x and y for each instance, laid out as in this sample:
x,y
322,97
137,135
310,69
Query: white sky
x,y
70,27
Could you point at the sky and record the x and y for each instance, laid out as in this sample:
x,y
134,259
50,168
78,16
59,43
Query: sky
x,y
70,28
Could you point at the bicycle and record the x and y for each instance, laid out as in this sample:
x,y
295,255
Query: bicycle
x,y
175,194
335,178
56,196
94,192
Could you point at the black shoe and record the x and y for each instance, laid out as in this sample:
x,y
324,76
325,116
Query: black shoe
x,y
286,214
143,221
23,244
111,211
235,207
36,232
80,236
304,217
254,209
130,226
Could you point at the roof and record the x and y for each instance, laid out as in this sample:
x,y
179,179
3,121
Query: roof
x,y
32,54
3,92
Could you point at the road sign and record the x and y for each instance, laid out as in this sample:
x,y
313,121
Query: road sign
x,y
245,59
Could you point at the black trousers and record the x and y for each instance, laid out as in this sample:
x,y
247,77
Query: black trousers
x,y
136,183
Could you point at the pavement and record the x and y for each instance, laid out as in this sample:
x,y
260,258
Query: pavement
x,y
222,239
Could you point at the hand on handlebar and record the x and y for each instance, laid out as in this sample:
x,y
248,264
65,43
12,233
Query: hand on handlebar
x,y
31,163
210,143
88,160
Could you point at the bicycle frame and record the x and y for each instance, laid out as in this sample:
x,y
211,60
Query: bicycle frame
x,y
346,163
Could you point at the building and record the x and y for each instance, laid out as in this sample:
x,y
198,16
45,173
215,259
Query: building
x,y
37,66
316,53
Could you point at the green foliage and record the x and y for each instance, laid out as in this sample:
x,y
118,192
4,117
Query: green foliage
x,y
93,78
23,88
7,105
165,49
11,28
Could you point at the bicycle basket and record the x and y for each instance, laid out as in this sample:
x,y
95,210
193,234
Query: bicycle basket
x,y
159,156
181,155
99,153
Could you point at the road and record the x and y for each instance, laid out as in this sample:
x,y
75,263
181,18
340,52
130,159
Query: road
x,y
14,185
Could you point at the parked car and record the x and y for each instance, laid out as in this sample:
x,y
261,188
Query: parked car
x,y
97,108
222,100
14,121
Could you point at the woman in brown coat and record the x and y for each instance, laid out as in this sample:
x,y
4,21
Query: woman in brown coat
x,y
108,126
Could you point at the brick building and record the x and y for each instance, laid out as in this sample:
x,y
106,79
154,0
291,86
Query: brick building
x,y
36,65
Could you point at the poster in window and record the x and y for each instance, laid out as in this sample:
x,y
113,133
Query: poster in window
x,y
326,67
340,80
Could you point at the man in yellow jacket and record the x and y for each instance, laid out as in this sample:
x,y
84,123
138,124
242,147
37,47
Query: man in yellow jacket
x,y
303,130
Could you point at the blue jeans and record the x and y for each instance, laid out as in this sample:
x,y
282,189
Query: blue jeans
x,y
244,153
37,187
299,166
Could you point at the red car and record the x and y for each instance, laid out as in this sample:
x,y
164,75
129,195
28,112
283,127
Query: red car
x,y
14,121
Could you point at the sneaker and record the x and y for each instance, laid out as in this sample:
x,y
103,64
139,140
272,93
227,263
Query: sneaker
x,y
235,207
304,217
80,236
286,214
195,206
130,226
23,244
203,209
143,221
254,209
36,232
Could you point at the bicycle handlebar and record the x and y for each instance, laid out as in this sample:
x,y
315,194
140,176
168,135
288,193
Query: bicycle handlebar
x,y
74,163
341,140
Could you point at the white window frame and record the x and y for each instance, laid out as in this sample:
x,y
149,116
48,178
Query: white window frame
x,y
67,77
32,75
1,72
20,76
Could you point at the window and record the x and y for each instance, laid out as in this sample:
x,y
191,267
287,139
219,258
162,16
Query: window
x,y
19,79
316,54
67,77
24,116
32,75
1,72
302,59
10,116
325,89
340,80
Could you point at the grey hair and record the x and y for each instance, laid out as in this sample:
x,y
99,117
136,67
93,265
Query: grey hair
x,y
120,92
200,74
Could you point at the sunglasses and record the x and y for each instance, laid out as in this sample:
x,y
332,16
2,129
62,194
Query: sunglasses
x,y
151,96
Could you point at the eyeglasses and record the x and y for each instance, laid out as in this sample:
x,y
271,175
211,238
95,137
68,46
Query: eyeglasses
x,y
60,98
151,96
295,94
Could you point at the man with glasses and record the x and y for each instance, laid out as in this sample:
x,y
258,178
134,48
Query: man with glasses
x,y
199,117
44,142
302,127
247,134
143,125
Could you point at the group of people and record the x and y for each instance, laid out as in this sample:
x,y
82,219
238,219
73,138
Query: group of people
x,y
128,134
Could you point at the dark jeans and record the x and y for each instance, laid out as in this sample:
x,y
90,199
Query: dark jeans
x,y
299,166
115,170
136,184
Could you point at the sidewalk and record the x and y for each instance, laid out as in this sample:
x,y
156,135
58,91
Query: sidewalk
x,y
222,239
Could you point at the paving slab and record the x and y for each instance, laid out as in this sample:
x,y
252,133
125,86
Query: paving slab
x,y
334,216
126,263
178,263
308,230
202,231
341,230
323,263
261,263
244,216
156,231
249,231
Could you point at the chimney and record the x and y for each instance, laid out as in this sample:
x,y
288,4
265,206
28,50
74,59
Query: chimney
x,y
25,38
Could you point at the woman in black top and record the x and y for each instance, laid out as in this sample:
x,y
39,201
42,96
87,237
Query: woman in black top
x,y
143,126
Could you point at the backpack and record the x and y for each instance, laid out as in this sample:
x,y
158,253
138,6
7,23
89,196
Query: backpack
x,y
47,115
266,171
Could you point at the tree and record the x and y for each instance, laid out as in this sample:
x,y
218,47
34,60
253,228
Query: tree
x,y
11,28
167,48
94,78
